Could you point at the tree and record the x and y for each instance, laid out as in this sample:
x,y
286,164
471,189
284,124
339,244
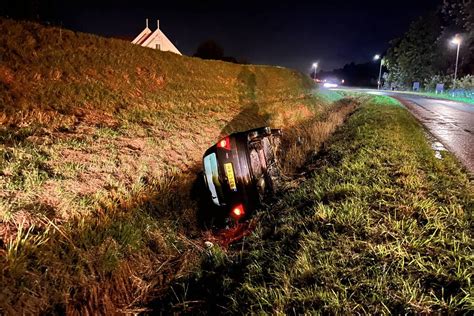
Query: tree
x,y
424,52
360,75
413,57
209,50
458,18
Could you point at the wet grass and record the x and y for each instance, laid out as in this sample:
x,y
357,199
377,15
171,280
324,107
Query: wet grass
x,y
378,225
444,95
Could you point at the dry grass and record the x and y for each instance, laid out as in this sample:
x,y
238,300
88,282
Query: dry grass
x,y
303,141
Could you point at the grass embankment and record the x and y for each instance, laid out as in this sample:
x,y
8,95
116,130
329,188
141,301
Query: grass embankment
x,y
379,226
100,142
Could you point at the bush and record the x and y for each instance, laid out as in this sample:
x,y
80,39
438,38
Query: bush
x,y
466,82
463,87
430,83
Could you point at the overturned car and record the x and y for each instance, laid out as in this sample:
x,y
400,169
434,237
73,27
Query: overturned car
x,y
242,170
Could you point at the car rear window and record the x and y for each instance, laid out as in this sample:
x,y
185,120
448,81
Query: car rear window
x,y
211,172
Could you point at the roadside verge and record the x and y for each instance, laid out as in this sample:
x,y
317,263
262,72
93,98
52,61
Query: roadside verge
x,y
379,226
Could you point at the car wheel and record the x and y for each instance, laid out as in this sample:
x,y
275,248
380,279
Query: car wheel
x,y
259,133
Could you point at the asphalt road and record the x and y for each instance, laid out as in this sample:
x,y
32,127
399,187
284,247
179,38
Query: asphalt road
x,y
452,123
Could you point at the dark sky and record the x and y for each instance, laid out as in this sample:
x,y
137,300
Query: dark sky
x,y
291,33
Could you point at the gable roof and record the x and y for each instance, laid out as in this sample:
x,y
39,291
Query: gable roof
x,y
158,37
155,40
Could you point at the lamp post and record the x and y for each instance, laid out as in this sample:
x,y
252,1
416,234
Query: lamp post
x,y
377,57
315,66
456,40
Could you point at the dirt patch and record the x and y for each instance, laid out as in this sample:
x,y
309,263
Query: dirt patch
x,y
96,118
21,220
50,197
6,75
290,117
73,156
226,237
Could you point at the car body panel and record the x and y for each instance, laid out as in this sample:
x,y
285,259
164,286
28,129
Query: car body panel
x,y
242,177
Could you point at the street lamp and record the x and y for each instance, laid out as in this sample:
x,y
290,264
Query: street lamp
x,y
457,41
315,66
377,57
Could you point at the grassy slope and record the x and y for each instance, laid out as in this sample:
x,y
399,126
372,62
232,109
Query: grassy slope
x,y
380,226
99,144
62,73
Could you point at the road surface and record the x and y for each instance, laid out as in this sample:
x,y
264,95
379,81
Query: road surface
x,y
452,123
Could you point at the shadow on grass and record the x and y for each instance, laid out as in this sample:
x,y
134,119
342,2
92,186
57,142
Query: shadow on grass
x,y
249,117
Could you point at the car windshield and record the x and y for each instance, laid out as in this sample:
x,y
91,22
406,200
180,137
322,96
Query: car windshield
x,y
211,173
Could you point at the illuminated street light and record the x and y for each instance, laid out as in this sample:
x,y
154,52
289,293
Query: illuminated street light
x,y
377,57
315,66
457,41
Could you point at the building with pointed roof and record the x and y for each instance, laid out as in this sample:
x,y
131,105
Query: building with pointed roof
x,y
155,40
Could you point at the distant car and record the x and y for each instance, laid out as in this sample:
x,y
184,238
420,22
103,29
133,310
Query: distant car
x,y
242,170
331,83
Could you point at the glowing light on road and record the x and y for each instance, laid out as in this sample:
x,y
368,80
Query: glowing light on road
x,y
377,57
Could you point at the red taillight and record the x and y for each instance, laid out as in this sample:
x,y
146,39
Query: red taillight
x,y
237,211
224,143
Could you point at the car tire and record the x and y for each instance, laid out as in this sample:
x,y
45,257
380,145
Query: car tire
x,y
259,133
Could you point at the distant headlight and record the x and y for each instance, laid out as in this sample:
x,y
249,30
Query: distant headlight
x,y
330,85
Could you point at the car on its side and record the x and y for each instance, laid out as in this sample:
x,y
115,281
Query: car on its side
x,y
242,170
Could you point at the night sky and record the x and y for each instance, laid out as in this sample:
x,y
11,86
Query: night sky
x,y
291,34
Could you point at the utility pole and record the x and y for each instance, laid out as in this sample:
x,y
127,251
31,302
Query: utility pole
x,y
377,57
456,40
315,66
380,74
